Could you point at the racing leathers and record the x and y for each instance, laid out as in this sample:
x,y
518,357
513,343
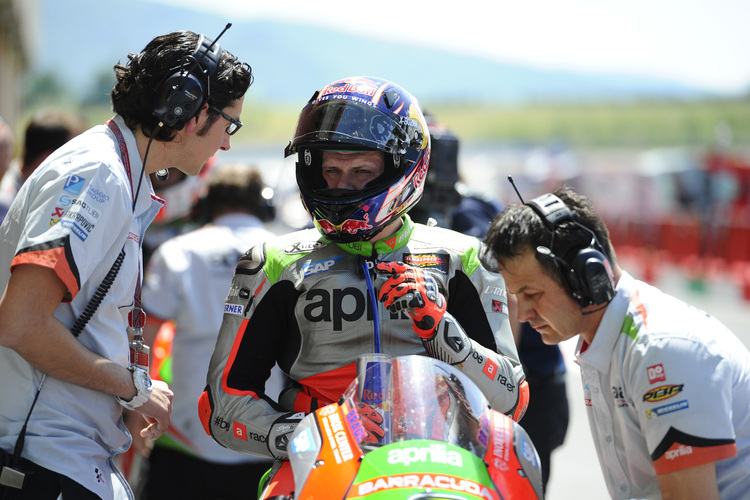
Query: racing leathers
x,y
312,306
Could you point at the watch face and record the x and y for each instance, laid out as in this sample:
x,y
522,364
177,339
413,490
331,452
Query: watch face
x,y
145,379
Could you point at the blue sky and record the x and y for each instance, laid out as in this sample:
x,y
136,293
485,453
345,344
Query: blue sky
x,y
698,42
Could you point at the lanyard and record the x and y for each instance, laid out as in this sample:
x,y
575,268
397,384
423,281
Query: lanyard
x,y
136,317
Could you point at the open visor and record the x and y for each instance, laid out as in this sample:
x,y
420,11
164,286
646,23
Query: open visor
x,y
344,124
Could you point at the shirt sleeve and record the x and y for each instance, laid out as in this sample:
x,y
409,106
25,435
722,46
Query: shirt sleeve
x,y
69,222
682,396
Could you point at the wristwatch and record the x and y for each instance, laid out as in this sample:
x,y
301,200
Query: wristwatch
x,y
142,381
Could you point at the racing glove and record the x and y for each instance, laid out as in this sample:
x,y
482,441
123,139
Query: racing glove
x,y
415,291
372,422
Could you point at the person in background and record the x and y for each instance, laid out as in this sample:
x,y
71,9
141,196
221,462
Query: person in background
x,y
309,301
48,129
70,271
7,146
451,204
7,151
666,386
186,284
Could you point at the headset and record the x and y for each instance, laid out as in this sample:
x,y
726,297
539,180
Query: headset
x,y
181,95
586,272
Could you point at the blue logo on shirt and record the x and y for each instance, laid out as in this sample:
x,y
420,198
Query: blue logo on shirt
x,y
235,309
319,266
74,184
663,410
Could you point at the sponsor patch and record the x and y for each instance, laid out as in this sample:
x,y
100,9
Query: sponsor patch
x,y
319,266
239,431
663,410
235,309
497,306
82,235
74,184
303,247
496,291
490,369
432,261
662,392
656,374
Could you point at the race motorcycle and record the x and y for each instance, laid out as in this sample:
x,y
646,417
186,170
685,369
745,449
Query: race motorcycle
x,y
411,427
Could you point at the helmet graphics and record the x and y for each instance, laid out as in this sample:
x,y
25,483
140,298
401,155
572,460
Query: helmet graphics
x,y
361,114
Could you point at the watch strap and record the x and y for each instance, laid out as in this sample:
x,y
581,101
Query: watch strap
x,y
142,382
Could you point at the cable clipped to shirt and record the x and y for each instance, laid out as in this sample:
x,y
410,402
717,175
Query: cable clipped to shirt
x,y
99,295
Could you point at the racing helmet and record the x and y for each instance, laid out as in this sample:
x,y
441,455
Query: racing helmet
x,y
361,114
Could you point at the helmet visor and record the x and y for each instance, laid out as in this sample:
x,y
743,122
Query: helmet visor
x,y
345,124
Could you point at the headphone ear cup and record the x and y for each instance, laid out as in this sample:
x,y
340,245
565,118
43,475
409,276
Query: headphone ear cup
x,y
594,276
179,99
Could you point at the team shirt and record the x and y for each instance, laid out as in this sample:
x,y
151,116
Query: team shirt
x,y
666,387
74,215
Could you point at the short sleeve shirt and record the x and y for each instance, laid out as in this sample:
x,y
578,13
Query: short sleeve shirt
x,y
667,387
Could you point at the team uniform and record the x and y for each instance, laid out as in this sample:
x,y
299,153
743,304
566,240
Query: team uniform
x,y
73,215
666,388
308,304
187,281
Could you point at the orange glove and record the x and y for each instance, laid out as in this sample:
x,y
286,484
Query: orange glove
x,y
415,291
371,421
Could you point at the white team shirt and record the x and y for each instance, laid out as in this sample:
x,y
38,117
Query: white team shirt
x,y
187,280
73,215
666,387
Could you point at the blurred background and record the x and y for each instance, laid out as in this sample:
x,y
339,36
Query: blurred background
x,y
643,106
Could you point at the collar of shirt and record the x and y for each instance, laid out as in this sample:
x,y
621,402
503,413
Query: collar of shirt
x,y
598,353
147,194
383,246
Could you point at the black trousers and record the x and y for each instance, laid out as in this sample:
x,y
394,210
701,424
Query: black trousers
x,y
176,475
43,484
546,418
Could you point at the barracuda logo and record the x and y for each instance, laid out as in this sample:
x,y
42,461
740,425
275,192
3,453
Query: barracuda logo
x,y
435,453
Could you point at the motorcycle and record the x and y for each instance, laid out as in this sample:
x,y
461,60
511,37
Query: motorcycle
x,y
411,427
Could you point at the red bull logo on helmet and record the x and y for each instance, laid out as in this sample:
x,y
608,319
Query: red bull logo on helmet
x,y
353,226
358,86
350,226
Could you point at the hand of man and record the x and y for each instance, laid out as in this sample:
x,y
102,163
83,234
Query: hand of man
x,y
371,421
157,410
415,291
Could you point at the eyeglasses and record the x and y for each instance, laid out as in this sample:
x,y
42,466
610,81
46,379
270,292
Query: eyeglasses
x,y
234,125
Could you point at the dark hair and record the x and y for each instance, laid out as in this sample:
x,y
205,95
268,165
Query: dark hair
x,y
135,92
47,130
235,187
519,229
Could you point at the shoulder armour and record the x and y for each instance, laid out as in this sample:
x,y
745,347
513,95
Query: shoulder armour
x,y
252,261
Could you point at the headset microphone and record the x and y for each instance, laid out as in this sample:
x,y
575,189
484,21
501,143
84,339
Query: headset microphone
x,y
162,174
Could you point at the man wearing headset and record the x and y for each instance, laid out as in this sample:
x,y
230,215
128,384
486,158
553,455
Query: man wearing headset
x,y
70,265
310,300
666,386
